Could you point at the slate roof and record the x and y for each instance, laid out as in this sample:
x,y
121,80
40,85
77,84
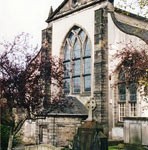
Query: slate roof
x,y
73,107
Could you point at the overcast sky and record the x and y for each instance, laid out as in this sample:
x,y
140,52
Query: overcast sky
x,y
28,16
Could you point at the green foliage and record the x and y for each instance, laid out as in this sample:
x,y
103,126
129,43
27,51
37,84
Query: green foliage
x,y
113,148
16,140
7,117
120,146
4,134
5,130
134,62
134,147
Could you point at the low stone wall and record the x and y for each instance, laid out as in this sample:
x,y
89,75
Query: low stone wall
x,y
41,147
136,130
57,130
28,131
117,133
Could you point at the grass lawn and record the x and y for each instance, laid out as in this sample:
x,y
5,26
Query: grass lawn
x,y
113,148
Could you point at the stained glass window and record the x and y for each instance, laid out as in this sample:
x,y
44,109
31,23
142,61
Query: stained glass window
x,y
133,91
122,91
71,38
67,69
77,62
87,66
67,52
122,76
77,49
87,81
82,35
122,86
66,85
87,48
127,91
77,68
76,86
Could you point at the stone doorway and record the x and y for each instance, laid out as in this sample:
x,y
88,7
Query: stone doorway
x,y
43,132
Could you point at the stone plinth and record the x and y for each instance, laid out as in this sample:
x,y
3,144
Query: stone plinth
x,y
136,130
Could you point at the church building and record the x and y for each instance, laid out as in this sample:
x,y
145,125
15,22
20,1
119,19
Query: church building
x,y
86,34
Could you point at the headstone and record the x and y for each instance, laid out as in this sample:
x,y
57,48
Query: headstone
x,y
91,105
90,137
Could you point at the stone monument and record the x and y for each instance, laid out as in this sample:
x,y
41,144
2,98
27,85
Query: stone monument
x,y
91,105
90,134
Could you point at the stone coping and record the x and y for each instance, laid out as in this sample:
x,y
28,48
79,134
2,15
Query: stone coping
x,y
42,146
136,118
61,115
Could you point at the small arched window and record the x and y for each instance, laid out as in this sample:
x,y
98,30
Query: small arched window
x,y
127,92
122,86
77,62
133,91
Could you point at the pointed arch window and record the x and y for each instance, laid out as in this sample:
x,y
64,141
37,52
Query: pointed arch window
x,y
133,91
76,49
127,92
67,52
122,86
77,62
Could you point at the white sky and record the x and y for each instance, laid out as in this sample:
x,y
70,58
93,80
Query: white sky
x,y
28,16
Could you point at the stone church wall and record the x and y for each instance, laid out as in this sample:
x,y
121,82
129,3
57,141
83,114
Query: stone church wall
x,y
28,132
117,40
106,38
58,131
84,19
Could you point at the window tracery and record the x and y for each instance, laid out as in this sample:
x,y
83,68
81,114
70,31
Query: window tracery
x,y
127,93
77,62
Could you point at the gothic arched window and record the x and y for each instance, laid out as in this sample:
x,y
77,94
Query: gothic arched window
x,y
127,92
77,62
122,86
133,91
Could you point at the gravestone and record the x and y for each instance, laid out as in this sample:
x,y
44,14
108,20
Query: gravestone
x,y
90,105
90,135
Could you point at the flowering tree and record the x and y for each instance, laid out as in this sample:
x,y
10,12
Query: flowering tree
x,y
19,83
134,61
25,82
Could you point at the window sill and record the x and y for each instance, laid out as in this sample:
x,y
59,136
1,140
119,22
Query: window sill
x,y
120,102
85,94
132,102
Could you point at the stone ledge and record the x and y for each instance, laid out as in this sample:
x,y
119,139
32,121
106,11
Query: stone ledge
x,y
136,118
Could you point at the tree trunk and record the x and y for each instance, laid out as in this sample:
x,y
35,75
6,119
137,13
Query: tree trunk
x,y
10,142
